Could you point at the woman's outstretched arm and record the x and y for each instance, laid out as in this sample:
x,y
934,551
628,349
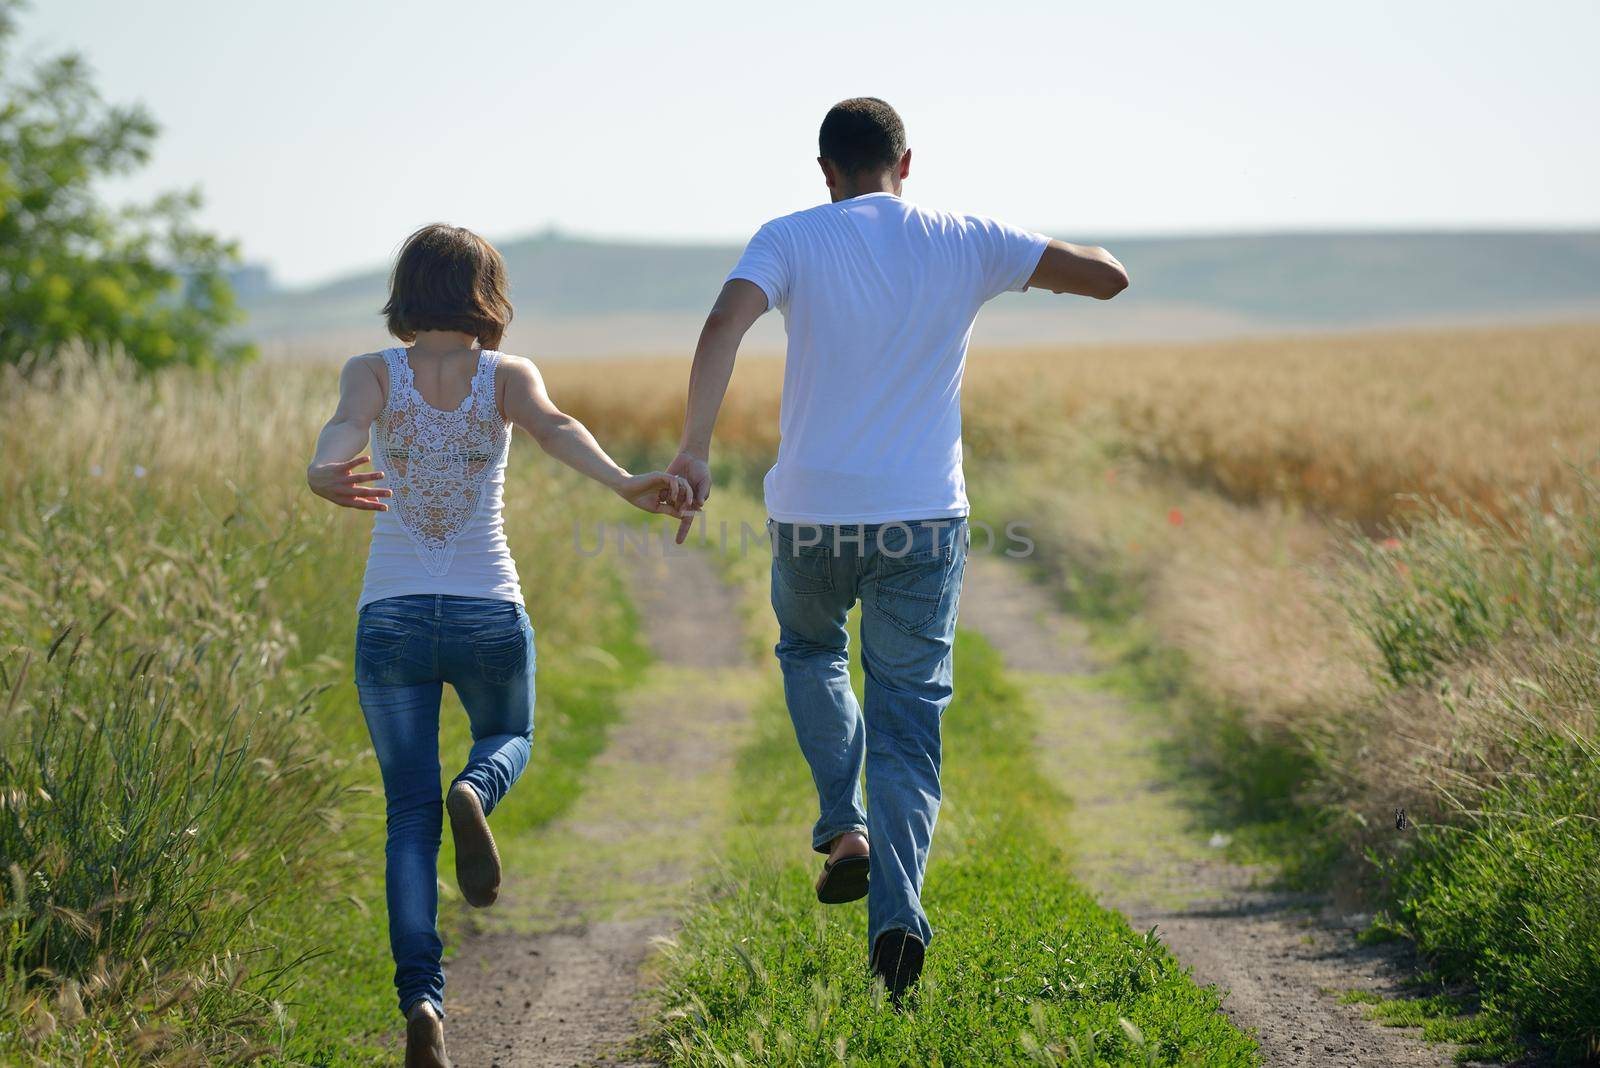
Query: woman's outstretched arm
x,y
332,470
529,406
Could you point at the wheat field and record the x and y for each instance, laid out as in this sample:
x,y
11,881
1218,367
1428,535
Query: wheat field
x,y
1348,425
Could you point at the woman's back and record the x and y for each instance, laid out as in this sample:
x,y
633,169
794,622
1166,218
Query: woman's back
x,y
445,465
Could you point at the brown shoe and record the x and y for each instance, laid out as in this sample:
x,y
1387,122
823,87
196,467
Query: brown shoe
x,y
425,1037
477,860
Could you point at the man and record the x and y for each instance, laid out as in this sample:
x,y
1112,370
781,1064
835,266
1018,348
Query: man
x,y
867,500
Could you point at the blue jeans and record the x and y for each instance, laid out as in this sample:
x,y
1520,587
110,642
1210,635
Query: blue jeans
x,y
908,579
407,648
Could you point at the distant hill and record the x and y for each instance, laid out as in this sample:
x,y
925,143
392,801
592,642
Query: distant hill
x,y
581,297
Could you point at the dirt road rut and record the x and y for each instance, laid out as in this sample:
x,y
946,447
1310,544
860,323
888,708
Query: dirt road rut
x,y
551,976
1281,959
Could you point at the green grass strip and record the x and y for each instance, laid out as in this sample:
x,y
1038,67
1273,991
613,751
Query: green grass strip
x,y
1025,968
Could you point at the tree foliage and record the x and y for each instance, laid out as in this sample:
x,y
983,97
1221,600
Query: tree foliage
x,y
76,272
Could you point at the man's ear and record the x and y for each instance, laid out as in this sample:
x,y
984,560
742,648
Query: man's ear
x,y
828,173
905,165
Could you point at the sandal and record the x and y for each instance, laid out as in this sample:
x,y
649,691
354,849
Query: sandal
x,y
844,879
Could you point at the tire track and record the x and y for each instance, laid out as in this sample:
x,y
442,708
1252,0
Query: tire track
x,y
1281,959
553,974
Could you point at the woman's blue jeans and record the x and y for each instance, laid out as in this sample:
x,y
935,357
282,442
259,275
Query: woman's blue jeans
x,y
407,648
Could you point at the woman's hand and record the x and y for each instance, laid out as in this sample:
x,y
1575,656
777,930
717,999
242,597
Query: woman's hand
x,y
657,492
339,483
360,401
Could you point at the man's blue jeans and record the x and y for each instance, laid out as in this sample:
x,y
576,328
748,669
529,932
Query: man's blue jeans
x,y
407,648
908,579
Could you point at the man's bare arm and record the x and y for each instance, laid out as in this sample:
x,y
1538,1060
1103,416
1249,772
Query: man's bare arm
x,y
1085,270
737,308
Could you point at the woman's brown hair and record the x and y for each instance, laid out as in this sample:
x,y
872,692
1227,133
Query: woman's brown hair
x,y
448,278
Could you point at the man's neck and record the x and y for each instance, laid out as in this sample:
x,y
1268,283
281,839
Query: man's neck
x,y
883,182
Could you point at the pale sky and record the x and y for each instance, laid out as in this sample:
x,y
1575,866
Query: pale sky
x,y
322,132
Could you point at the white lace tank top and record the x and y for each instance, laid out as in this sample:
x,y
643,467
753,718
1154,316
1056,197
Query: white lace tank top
x,y
444,531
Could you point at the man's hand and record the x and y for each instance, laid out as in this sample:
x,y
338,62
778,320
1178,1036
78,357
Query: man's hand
x,y
697,473
740,304
656,492
339,483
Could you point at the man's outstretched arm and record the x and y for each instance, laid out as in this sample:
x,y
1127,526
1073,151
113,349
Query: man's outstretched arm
x,y
738,306
1085,270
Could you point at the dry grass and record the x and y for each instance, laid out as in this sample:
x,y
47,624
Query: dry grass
x,y
1343,424
1346,425
1250,446
1444,667
1248,593
1253,446
187,819
638,403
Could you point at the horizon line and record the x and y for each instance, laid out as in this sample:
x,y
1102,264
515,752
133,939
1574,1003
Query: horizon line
x,y
555,232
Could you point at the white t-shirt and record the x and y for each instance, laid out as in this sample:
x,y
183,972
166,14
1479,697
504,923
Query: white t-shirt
x,y
878,297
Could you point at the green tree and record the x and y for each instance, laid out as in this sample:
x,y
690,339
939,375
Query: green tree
x,y
74,271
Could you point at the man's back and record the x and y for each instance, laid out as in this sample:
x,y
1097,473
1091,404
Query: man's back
x,y
878,297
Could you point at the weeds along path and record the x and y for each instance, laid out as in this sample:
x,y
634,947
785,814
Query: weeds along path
x,y
1283,960
553,974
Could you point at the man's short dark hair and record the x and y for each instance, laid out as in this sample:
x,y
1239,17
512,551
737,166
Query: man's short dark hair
x,y
862,134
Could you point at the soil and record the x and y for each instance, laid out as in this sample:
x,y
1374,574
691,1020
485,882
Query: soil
x,y
553,975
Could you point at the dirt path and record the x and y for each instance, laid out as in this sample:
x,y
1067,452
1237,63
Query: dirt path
x,y
1282,959
551,976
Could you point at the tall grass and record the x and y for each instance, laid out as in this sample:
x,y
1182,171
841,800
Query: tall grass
x,y
1323,679
1452,585
190,825
1486,637
1352,426
150,717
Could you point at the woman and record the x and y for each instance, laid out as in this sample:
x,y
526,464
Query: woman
x,y
441,602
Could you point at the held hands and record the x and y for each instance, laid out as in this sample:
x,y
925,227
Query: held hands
x,y
658,492
339,483
697,473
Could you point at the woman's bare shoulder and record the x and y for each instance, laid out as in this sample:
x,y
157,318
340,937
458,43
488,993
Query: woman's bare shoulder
x,y
369,366
515,368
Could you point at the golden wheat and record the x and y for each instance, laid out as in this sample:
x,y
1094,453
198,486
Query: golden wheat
x,y
1345,424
